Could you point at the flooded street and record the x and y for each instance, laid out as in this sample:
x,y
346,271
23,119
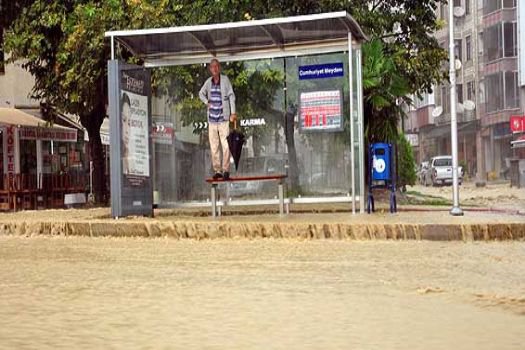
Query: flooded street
x,y
262,294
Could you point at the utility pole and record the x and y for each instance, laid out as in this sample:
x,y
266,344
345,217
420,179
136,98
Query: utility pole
x,y
456,210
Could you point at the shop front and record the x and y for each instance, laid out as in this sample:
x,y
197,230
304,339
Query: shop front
x,y
41,163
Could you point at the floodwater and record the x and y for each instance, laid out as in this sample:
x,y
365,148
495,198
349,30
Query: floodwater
x,y
76,293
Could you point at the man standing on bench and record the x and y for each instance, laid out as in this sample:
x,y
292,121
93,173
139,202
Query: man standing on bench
x,y
217,94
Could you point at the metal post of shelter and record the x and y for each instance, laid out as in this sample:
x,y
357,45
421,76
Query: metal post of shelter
x,y
112,47
351,99
360,125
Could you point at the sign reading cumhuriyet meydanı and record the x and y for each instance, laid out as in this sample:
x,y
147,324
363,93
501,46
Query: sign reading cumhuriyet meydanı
x,y
321,71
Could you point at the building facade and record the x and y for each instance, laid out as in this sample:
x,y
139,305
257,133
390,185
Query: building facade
x,y
488,89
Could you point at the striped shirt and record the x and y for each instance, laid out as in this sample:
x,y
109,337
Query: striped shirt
x,y
216,114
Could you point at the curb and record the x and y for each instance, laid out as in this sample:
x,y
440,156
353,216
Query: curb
x,y
281,230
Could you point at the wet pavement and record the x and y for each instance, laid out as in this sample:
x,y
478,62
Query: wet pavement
x,y
132,293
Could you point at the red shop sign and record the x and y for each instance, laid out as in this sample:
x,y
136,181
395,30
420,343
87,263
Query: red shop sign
x,y
517,123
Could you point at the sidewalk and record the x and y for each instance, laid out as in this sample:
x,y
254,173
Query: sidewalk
x,y
410,224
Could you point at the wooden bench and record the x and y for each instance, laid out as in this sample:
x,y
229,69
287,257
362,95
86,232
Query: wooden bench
x,y
215,183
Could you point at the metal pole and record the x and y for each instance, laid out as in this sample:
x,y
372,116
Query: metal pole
x,y
351,93
112,47
456,210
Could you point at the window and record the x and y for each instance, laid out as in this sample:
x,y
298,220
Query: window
x,y
509,39
494,92
459,93
501,91
468,47
511,90
467,7
491,6
445,98
442,13
500,41
480,44
458,52
493,42
471,93
457,3
481,94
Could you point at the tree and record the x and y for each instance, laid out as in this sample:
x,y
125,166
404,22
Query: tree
x,y
9,11
61,43
383,87
406,163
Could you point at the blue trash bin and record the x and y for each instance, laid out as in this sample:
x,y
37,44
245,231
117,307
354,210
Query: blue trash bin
x,y
381,170
381,162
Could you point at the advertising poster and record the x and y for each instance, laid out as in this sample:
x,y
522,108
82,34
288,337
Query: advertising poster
x,y
130,139
135,128
321,111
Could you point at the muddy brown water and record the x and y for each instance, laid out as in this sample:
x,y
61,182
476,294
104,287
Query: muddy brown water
x,y
87,293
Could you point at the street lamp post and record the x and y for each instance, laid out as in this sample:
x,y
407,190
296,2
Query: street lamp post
x,y
456,210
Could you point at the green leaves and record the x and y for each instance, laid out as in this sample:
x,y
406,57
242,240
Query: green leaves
x,y
382,83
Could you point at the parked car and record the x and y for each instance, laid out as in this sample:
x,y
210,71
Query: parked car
x,y
440,172
422,172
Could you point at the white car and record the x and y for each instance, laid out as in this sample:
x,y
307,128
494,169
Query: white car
x,y
441,171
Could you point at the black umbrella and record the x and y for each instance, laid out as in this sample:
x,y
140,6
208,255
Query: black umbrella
x,y
235,141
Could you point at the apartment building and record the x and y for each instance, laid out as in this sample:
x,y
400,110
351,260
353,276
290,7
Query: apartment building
x,y
488,89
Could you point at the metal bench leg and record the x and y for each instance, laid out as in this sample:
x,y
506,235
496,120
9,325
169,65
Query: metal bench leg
x,y
281,199
213,200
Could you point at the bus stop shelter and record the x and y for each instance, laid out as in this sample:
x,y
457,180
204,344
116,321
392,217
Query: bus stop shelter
x,y
319,35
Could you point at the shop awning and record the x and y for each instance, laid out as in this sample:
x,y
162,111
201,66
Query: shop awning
x,y
33,128
274,37
519,143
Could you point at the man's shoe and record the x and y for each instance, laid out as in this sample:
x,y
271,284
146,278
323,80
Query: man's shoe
x,y
217,176
226,176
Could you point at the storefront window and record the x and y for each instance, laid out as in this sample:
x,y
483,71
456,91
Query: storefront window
x,y
28,157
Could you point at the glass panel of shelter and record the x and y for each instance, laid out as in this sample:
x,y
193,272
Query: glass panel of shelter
x,y
323,155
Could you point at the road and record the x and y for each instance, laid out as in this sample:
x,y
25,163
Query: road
x,y
93,293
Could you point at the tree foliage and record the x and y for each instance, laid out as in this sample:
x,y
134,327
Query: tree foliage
x,y
383,87
406,166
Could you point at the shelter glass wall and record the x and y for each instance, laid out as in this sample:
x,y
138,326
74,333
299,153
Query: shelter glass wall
x,y
285,133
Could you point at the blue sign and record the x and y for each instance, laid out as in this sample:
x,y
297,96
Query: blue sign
x,y
320,71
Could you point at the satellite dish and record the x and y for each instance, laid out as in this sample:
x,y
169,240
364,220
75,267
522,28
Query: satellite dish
x,y
469,105
460,108
458,64
437,111
459,11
